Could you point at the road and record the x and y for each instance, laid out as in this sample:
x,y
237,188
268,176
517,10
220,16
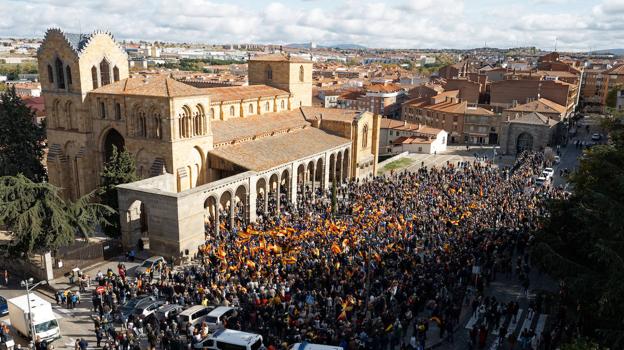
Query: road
x,y
74,323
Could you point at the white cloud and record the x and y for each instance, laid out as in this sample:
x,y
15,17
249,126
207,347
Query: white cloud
x,y
396,23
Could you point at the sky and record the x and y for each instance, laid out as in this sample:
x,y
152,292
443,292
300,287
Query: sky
x,y
575,25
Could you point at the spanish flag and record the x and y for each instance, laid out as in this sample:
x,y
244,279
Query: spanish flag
x,y
289,260
336,248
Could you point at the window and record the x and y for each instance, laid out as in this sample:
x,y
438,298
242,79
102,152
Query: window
x,y
104,72
158,129
212,113
102,110
365,136
301,73
231,111
117,111
269,73
50,74
60,74
250,108
69,76
267,106
282,104
115,73
94,77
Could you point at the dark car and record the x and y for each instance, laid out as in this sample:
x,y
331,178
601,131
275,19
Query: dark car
x,y
128,308
4,307
168,312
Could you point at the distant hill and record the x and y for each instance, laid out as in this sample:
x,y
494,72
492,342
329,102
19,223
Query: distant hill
x,y
617,52
337,46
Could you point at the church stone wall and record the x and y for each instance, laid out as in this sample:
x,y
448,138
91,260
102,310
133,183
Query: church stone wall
x,y
542,135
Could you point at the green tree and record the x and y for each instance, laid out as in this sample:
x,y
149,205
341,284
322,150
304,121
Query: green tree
x,y
22,142
583,242
611,99
39,220
581,344
119,169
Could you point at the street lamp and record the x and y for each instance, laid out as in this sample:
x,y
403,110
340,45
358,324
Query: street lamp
x,y
27,283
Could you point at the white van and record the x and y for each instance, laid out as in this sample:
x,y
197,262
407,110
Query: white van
x,y
44,321
310,346
229,339
215,317
194,315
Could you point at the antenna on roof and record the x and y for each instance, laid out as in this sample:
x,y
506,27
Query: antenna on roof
x,y
555,44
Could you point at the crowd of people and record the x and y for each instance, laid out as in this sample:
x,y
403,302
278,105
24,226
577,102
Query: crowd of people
x,y
392,258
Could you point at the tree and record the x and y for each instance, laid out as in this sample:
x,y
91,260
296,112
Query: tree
x,y
583,242
119,169
39,220
22,142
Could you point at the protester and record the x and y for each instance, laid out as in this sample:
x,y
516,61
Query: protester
x,y
395,259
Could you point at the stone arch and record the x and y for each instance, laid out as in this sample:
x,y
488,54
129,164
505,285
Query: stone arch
x,y
225,208
274,190
211,215
115,73
60,73
285,187
524,142
68,73
197,167
184,122
111,137
212,113
50,74
201,120
241,202
261,196
56,115
319,173
71,116
94,77
105,74
137,219
155,124
232,111
310,171
250,109
339,167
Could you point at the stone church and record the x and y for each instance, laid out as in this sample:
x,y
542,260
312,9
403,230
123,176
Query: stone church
x,y
208,158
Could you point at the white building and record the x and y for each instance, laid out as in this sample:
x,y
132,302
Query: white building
x,y
398,136
620,101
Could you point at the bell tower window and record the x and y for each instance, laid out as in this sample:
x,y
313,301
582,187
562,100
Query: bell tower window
x,y
104,72
60,74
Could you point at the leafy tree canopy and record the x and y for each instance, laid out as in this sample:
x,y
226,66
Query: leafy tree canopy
x,y
583,242
22,142
119,169
39,220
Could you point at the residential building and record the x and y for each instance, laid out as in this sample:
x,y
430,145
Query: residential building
x,y
398,136
383,99
28,89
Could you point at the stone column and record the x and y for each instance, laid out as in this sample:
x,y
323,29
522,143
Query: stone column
x,y
232,210
277,194
292,182
253,197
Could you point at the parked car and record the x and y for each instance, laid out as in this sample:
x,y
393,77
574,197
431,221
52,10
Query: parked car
x,y
128,308
548,172
216,317
557,159
4,307
148,265
541,181
194,315
231,339
168,311
147,309
595,137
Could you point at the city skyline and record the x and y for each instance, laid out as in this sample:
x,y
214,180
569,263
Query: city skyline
x,y
452,24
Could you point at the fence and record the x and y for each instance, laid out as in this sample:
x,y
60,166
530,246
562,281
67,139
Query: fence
x,y
82,254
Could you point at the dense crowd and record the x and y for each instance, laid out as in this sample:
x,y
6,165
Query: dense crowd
x,y
394,258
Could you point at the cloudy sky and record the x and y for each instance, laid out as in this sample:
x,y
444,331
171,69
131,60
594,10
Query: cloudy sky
x,y
577,24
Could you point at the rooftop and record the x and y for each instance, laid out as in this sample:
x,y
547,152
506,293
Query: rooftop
x,y
269,152
534,118
347,115
150,85
242,128
279,57
541,105
231,93
394,124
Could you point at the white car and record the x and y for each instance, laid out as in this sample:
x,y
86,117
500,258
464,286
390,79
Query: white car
x,y
548,172
557,159
596,137
541,181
